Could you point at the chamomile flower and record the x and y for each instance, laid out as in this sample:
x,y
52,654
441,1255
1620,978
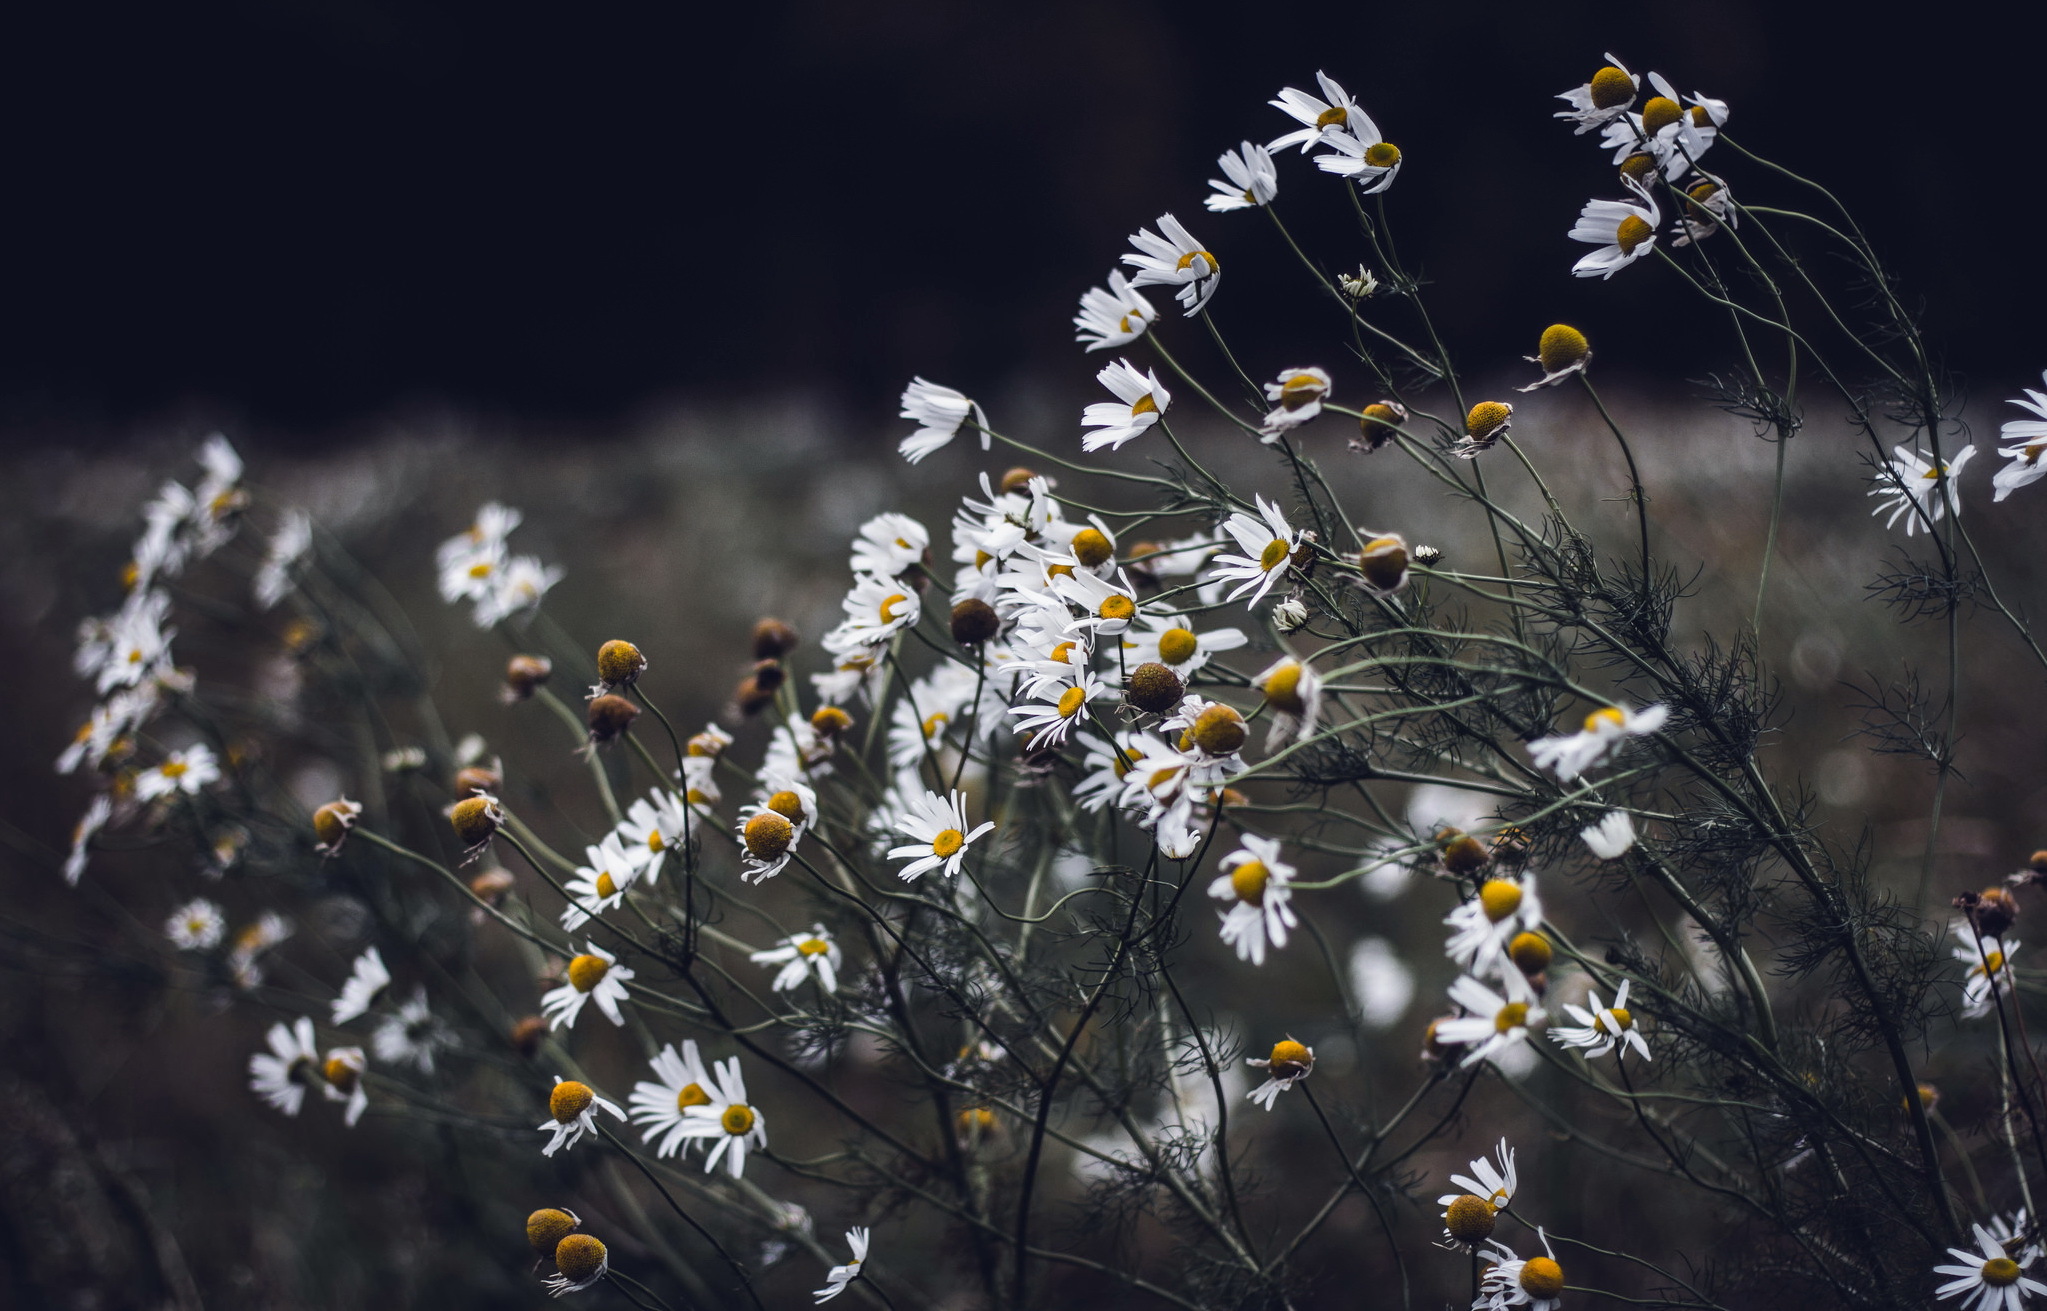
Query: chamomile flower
x,y
1601,100
268,930
1909,483
1252,179
1140,400
412,1035
600,882
804,956
110,729
293,539
281,1075
1362,155
1268,544
939,826
596,976
1569,755
1623,230
517,590
1708,206
470,561
730,1123
1536,1282
1293,690
1107,604
2016,1234
1115,317
1561,351
1490,1025
841,1275
366,978
1289,1063
888,544
1056,705
1174,259
2029,438
1105,767
1254,882
661,1107
1494,1184
1323,117
1173,642
97,812
1989,969
654,825
1296,398
1482,927
579,1262
770,829
342,1074
185,772
938,412
572,1112
1989,1276
1611,837
197,925
876,610
1601,1029
131,648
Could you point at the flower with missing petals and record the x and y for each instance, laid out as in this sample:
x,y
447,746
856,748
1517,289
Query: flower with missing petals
x,y
939,412
572,1112
1536,1282
1174,259
811,955
595,976
1296,398
1289,1063
1601,1029
1570,755
1561,351
579,1262
841,1275
1115,317
1601,100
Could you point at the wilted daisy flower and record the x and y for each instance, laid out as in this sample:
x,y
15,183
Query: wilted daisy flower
x,y
1623,230
579,1262
1383,562
572,1112
281,1075
366,978
804,955
1268,544
1289,1063
1570,755
1988,1275
1253,181
888,544
876,610
1297,397
1561,351
596,976
661,1107
2017,1234
1141,399
1484,425
196,926
1254,881
1494,1184
1611,837
1294,691
1175,259
1536,1283
1601,1029
1708,205
939,825
293,539
1482,927
411,1034
1324,117
600,882
342,1073
938,413
1988,958
1606,97
728,1120
1115,317
1362,155
187,772
1490,1025
1908,484
841,1275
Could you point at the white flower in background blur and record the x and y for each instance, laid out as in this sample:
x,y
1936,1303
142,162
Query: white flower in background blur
x,y
196,926
1381,983
186,772
1910,484
1611,837
804,956
366,978
412,1034
1570,755
281,1075
293,539
888,544
2031,438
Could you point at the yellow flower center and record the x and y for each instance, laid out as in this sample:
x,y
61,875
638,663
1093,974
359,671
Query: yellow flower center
x,y
1993,961
737,1119
481,569
586,972
2032,452
1178,645
1218,730
341,1074
569,1100
1274,555
1334,116
1070,701
1248,881
2000,1272
948,842
768,835
1611,87
654,842
1623,1019
1512,1016
173,769
1289,1053
1632,232
606,885
788,805
1561,347
1091,546
691,1094
1470,1219
1530,952
1283,688
935,725
579,1257
1639,167
1499,898
1659,112
1061,652
1187,262
1382,154
1542,1277
1486,419
891,605
1299,390
1145,405
1116,606
1605,718
813,947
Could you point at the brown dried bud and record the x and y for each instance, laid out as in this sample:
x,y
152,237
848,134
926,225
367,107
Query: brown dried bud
x,y
524,675
1461,853
773,639
1511,846
1154,688
2037,861
751,697
1995,910
527,1035
768,675
609,717
477,778
1017,479
974,621
332,822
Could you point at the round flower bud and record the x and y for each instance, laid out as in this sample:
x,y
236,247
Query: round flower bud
x,y
1487,420
830,721
619,663
1470,1219
524,675
569,1100
1377,424
548,1226
1383,562
527,1035
332,822
1462,854
1425,555
974,621
1017,479
1289,615
1154,688
1091,546
768,835
1562,347
1530,953
475,818
1219,730
751,697
788,805
609,717
477,778
580,1258
773,639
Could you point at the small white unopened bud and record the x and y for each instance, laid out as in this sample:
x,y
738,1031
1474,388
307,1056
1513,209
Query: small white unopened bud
x,y
1359,286
1289,615
1426,554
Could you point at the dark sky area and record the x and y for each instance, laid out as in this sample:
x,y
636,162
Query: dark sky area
x,y
310,214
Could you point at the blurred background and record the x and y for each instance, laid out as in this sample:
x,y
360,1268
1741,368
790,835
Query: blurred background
x,y
658,277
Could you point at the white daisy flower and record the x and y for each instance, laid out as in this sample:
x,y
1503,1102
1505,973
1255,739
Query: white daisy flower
x,y
1332,113
516,590
1989,969
1570,755
596,976
1056,706
97,812
1490,1025
1268,546
366,978
161,550
1600,1029
572,1112
1115,317
1988,1276
655,825
1536,1283
343,1073
269,929
1709,205
804,956
1297,397
841,1275
599,884
2030,442
888,544
110,725
1173,642
770,829
1606,97
1253,181
1623,230
1294,691
188,772
1482,928
1289,1063
1254,881
728,1120
1105,767
661,1107
411,1034
1908,484
1494,1184
939,826
1381,984
1140,400
470,561
294,537
1107,604
1611,837
131,648
938,413
876,610
281,1075
1174,259
197,925
218,497
1362,155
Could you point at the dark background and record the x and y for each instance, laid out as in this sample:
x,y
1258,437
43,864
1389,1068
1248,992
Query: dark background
x,y
297,218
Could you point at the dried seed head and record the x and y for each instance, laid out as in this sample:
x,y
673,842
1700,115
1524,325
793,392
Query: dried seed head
x,y
1154,688
1383,562
1487,420
1092,547
1017,479
751,697
332,822
768,835
788,805
569,1100
1659,112
527,1034
619,663
491,885
1639,168
586,972
830,721
1530,952
773,639
1562,347
769,675
1611,88
1464,855
1219,730
1290,1059
580,1258
1542,1277
974,621
1991,911
475,818
609,717
477,778
546,1228
1470,1219
524,675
